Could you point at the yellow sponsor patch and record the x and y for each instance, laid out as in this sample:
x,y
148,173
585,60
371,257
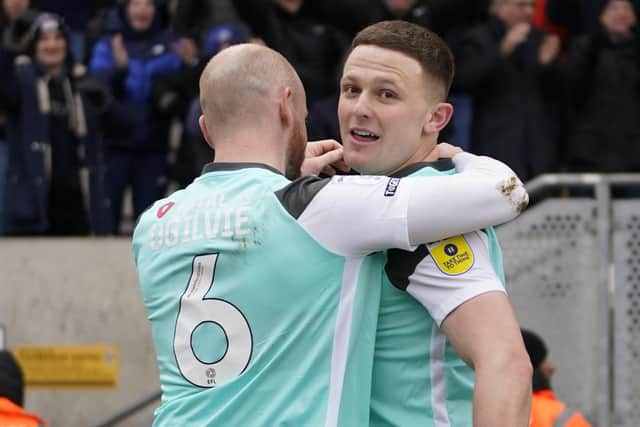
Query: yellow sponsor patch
x,y
453,256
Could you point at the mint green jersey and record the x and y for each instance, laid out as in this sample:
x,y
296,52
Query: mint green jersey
x,y
418,378
263,306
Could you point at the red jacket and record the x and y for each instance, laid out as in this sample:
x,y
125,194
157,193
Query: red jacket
x,y
11,415
547,411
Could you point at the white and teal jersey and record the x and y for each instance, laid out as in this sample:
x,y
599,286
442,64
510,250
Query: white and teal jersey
x,y
418,378
263,295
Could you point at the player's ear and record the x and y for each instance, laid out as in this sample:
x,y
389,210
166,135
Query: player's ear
x,y
205,131
438,118
285,103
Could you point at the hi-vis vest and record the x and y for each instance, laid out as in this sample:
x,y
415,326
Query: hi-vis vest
x,y
11,415
548,411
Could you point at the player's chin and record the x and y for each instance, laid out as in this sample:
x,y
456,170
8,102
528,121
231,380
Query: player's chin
x,y
358,161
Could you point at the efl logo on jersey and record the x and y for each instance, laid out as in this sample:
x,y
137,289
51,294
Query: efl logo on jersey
x,y
162,210
453,256
392,186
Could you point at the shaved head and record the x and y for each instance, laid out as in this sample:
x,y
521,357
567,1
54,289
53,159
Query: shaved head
x,y
240,86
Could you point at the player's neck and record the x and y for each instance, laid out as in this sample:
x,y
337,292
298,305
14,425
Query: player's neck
x,y
246,150
432,156
426,154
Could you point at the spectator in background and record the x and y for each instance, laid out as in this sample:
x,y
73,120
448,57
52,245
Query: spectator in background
x,y
76,15
603,78
15,20
53,172
577,16
10,9
12,395
439,16
509,68
546,409
314,48
137,50
322,121
193,18
104,20
580,17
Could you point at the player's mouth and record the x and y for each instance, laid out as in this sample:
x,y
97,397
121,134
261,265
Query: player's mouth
x,y
363,136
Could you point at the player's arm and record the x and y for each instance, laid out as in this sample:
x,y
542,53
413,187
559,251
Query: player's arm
x,y
485,333
362,214
454,279
444,274
486,192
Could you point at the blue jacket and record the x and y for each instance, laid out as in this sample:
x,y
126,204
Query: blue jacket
x,y
150,55
28,179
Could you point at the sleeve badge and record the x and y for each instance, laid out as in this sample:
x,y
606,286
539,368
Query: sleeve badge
x,y
453,256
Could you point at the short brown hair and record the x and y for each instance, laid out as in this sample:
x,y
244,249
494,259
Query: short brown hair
x,y
417,42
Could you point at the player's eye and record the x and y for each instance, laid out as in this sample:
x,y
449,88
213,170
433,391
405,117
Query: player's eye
x,y
349,89
387,94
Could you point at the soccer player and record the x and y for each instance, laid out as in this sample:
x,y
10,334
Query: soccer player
x,y
391,109
263,293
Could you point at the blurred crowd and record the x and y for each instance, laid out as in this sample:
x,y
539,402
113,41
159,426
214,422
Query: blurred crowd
x,y
101,97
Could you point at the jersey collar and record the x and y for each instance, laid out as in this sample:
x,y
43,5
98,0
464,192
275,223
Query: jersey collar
x,y
219,167
440,165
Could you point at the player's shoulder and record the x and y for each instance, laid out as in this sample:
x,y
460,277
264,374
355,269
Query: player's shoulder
x,y
437,167
452,256
296,195
157,211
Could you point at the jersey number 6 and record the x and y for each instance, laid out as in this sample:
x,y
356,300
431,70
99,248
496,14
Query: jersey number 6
x,y
196,310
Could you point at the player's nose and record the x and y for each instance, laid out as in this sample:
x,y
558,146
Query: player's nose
x,y
362,106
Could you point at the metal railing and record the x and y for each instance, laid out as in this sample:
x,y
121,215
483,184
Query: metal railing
x,y
3,337
602,186
130,410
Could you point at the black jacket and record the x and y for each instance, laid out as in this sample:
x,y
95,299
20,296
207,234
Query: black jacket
x,y
32,161
603,78
314,48
515,99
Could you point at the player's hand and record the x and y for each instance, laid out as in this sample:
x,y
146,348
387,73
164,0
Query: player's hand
x,y
323,156
447,151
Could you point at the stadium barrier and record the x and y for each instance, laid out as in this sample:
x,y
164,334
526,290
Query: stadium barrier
x,y
78,291
572,274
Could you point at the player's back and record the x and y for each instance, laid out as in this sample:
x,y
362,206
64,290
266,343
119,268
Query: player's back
x,y
418,378
244,305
